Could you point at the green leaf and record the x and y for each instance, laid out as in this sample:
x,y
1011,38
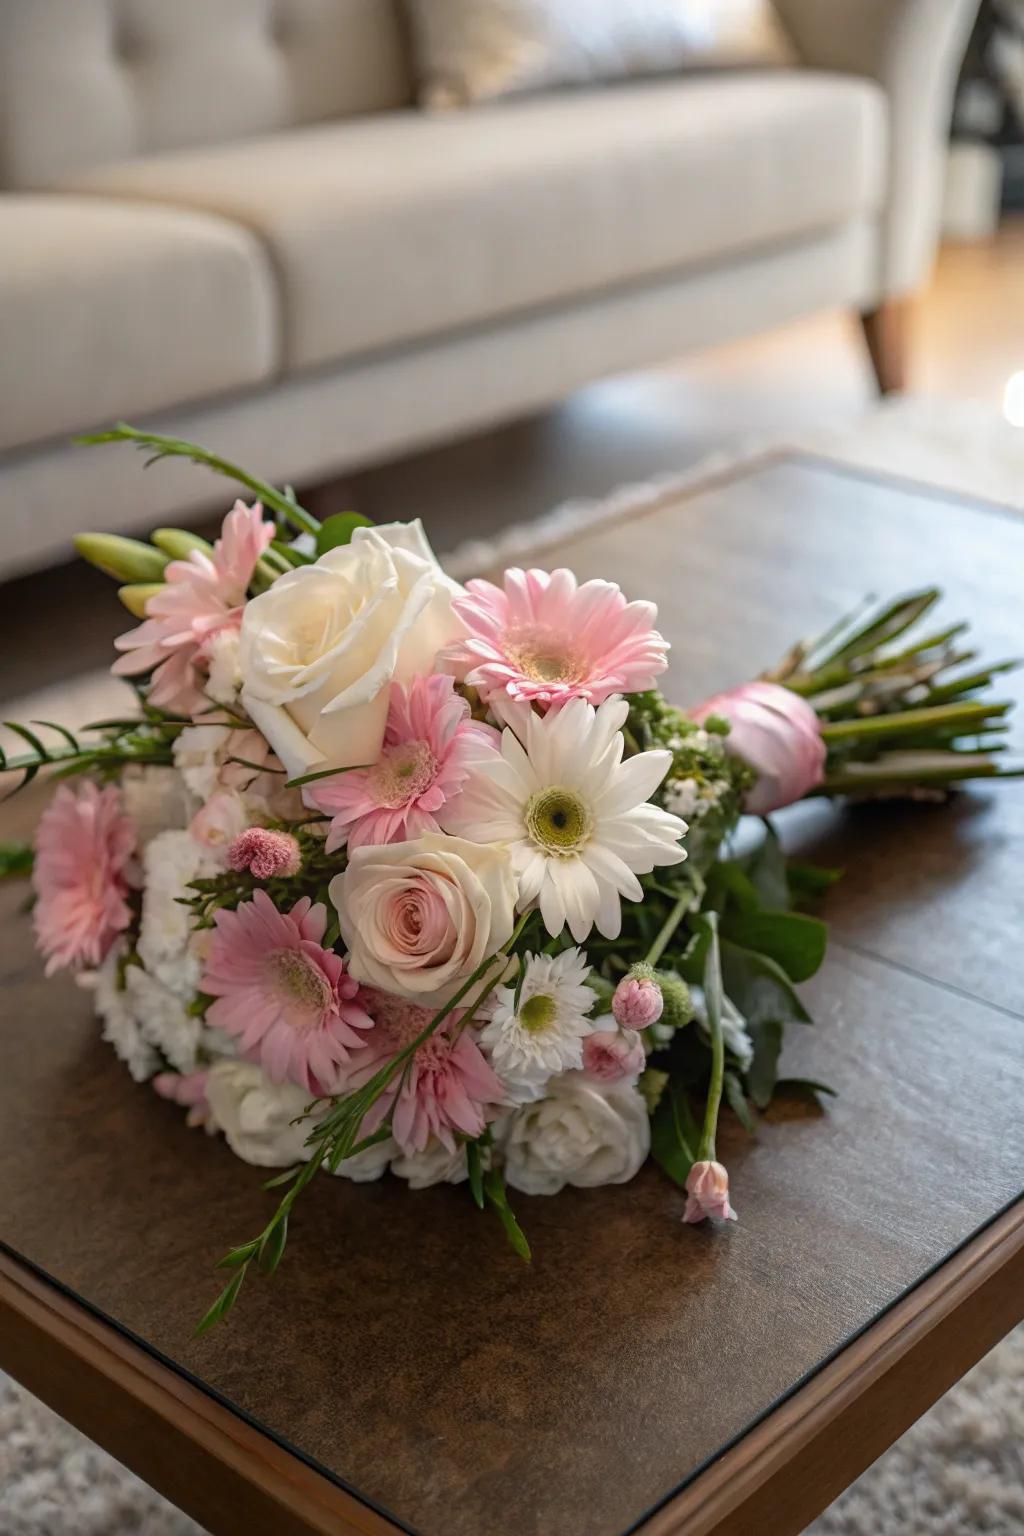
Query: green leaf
x,y
338,530
885,626
802,1088
321,773
284,1178
674,1136
476,1178
809,881
273,1245
766,1035
738,1103
760,987
16,860
796,942
236,1256
494,1188
222,1306
767,872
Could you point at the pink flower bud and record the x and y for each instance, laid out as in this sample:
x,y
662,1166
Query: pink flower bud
x,y
778,734
611,1055
707,1193
219,820
187,1089
265,853
637,1002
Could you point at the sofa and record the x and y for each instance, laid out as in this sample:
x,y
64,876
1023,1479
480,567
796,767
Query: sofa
x,y
227,220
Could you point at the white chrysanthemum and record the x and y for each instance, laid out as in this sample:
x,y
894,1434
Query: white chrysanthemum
x,y
197,756
224,683
164,1020
544,1035
120,1023
574,816
170,861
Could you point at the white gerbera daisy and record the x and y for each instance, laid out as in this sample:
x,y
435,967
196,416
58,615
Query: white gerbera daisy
x,y
544,1035
574,816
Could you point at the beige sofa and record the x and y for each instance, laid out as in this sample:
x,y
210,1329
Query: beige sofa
x,y
225,219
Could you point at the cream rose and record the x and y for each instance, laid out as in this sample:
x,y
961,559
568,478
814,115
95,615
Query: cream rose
x,y
257,1118
583,1133
418,918
320,647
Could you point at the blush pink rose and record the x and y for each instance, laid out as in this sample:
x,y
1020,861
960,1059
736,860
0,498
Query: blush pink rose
x,y
778,734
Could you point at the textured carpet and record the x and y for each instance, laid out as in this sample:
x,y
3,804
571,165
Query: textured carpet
x,y
960,1470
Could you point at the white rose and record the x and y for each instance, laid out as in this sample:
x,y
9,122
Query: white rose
x,y
434,1165
256,1115
583,1133
257,1118
320,647
418,918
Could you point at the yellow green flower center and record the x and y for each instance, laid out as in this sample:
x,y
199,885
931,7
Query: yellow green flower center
x,y
543,657
559,821
300,987
537,1013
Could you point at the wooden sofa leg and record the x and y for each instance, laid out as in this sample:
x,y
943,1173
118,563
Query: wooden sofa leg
x,y
885,331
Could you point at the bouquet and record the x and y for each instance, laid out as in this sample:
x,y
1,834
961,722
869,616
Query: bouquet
x,y
381,872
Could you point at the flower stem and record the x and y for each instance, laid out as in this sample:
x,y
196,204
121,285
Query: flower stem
x,y
713,999
669,927
177,448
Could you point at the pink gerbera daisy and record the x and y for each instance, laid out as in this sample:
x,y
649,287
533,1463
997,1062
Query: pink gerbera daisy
x,y
289,1003
83,845
447,1088
430,745
202,596
544,640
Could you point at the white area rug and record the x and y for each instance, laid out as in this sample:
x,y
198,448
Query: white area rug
x,y
960,1470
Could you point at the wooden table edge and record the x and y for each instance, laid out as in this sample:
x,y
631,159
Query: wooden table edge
x,y
205,1456
782,1472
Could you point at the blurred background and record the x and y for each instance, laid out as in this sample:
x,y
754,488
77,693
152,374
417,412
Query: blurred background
x,y
472,260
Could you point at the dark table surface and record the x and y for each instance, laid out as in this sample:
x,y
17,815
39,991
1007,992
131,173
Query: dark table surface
x,y
402,1346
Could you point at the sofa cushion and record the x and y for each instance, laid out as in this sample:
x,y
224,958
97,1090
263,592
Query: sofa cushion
x,y
83,81
110,309
400,226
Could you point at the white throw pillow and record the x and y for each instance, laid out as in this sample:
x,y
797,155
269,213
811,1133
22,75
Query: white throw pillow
x,y
474,50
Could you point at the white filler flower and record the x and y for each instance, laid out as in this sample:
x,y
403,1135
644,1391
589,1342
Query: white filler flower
x,y
544,1035
573,814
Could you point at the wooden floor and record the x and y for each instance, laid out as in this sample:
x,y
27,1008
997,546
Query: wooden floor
x,y
968,339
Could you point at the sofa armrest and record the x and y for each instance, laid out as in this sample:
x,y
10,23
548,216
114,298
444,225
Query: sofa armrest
x,y
913,48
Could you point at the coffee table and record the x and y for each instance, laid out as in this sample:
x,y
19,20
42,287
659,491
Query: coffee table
x,y
404,1371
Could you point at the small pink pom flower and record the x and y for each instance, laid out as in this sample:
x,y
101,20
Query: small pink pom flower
x,y
448,1088
430,745
289,1003
203,595
544,640
83,847
265,854
612,1055
707,1193
637,1002
778,733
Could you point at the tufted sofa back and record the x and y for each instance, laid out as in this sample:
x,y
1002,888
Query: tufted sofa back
x,y
88,81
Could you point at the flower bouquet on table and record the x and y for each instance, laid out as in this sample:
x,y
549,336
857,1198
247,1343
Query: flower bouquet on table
x,y
382,872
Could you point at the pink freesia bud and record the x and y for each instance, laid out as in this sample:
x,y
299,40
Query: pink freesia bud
x,y
637,1002
707,1193
609,1055
778,734
264,853
187,1089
